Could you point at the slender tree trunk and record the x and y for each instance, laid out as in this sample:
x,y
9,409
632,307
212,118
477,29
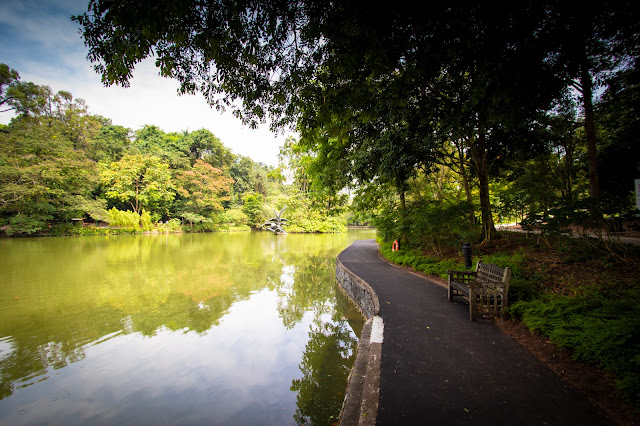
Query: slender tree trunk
x,y
589,127
137,200
569,171
466,185
400,187
479,156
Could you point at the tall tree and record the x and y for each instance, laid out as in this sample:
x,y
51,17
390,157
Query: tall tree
x,y
591,43
23,98
109,144
619,116
41,176
204,145
142,181
203,188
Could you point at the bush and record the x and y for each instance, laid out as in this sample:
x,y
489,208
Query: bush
x,y
253,208
429,224
304,217
172,225
26,224
314,222
123,219
235,217
146,221
416,260
595,220
525,283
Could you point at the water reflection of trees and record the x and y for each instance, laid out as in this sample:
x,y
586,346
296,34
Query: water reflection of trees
x,y
329,354
325,367
307,286
143,284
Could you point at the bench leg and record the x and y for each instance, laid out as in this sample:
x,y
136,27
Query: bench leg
x,y
472,304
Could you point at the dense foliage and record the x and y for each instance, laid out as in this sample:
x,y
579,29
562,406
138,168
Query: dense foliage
x,y
63,170
381,95
597,329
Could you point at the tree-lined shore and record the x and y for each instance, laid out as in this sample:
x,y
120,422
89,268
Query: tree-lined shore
x,y
66,171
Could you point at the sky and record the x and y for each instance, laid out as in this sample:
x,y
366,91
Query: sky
x,y
39,40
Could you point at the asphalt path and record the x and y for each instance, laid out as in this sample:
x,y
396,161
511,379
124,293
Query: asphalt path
x,y
635,241
440,368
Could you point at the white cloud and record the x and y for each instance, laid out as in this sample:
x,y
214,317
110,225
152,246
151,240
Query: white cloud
x,y
35,22
40,41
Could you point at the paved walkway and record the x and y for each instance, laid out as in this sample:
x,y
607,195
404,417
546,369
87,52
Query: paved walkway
x,y
635,241
439,368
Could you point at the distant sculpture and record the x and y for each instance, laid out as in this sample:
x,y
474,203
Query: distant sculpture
x,y
276,223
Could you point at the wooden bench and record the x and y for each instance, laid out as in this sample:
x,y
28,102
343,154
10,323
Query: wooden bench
x,y
486,288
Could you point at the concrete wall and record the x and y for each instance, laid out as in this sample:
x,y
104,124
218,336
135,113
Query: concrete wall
x,y
358,291
360,406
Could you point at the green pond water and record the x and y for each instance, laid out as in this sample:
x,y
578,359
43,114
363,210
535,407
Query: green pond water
x,y
239,328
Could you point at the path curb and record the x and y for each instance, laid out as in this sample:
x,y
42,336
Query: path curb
x,y
360,405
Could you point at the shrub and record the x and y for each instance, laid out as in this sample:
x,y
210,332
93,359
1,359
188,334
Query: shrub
x,y
314,222
416,260
146,221
428,224
123,219
234,216
253,208
26,224
594,220
172,225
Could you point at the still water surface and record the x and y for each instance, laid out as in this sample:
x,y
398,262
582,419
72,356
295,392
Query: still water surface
x,y
241,328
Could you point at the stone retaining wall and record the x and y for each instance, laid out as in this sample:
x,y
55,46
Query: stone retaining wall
x,y
360,405
361,293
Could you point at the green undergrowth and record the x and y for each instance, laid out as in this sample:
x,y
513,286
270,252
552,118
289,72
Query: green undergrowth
x,y
524,283
416,260
600,324
171,226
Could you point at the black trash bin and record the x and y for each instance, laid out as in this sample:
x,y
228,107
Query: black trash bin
x,y
466,251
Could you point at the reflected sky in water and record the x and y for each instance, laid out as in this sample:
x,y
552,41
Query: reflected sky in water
x,y
174,329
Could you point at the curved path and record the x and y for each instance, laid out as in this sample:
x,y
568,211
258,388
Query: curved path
x,y
439,368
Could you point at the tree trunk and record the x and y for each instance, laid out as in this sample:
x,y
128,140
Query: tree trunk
x,y
479,156
569,148
466,185
400,188
589,127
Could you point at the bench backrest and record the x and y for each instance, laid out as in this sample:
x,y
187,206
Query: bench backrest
x,y
491,273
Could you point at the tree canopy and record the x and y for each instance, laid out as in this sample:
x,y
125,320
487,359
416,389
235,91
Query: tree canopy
x,y
376,91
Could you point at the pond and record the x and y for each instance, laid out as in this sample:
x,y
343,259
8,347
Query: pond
x,y
223,328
